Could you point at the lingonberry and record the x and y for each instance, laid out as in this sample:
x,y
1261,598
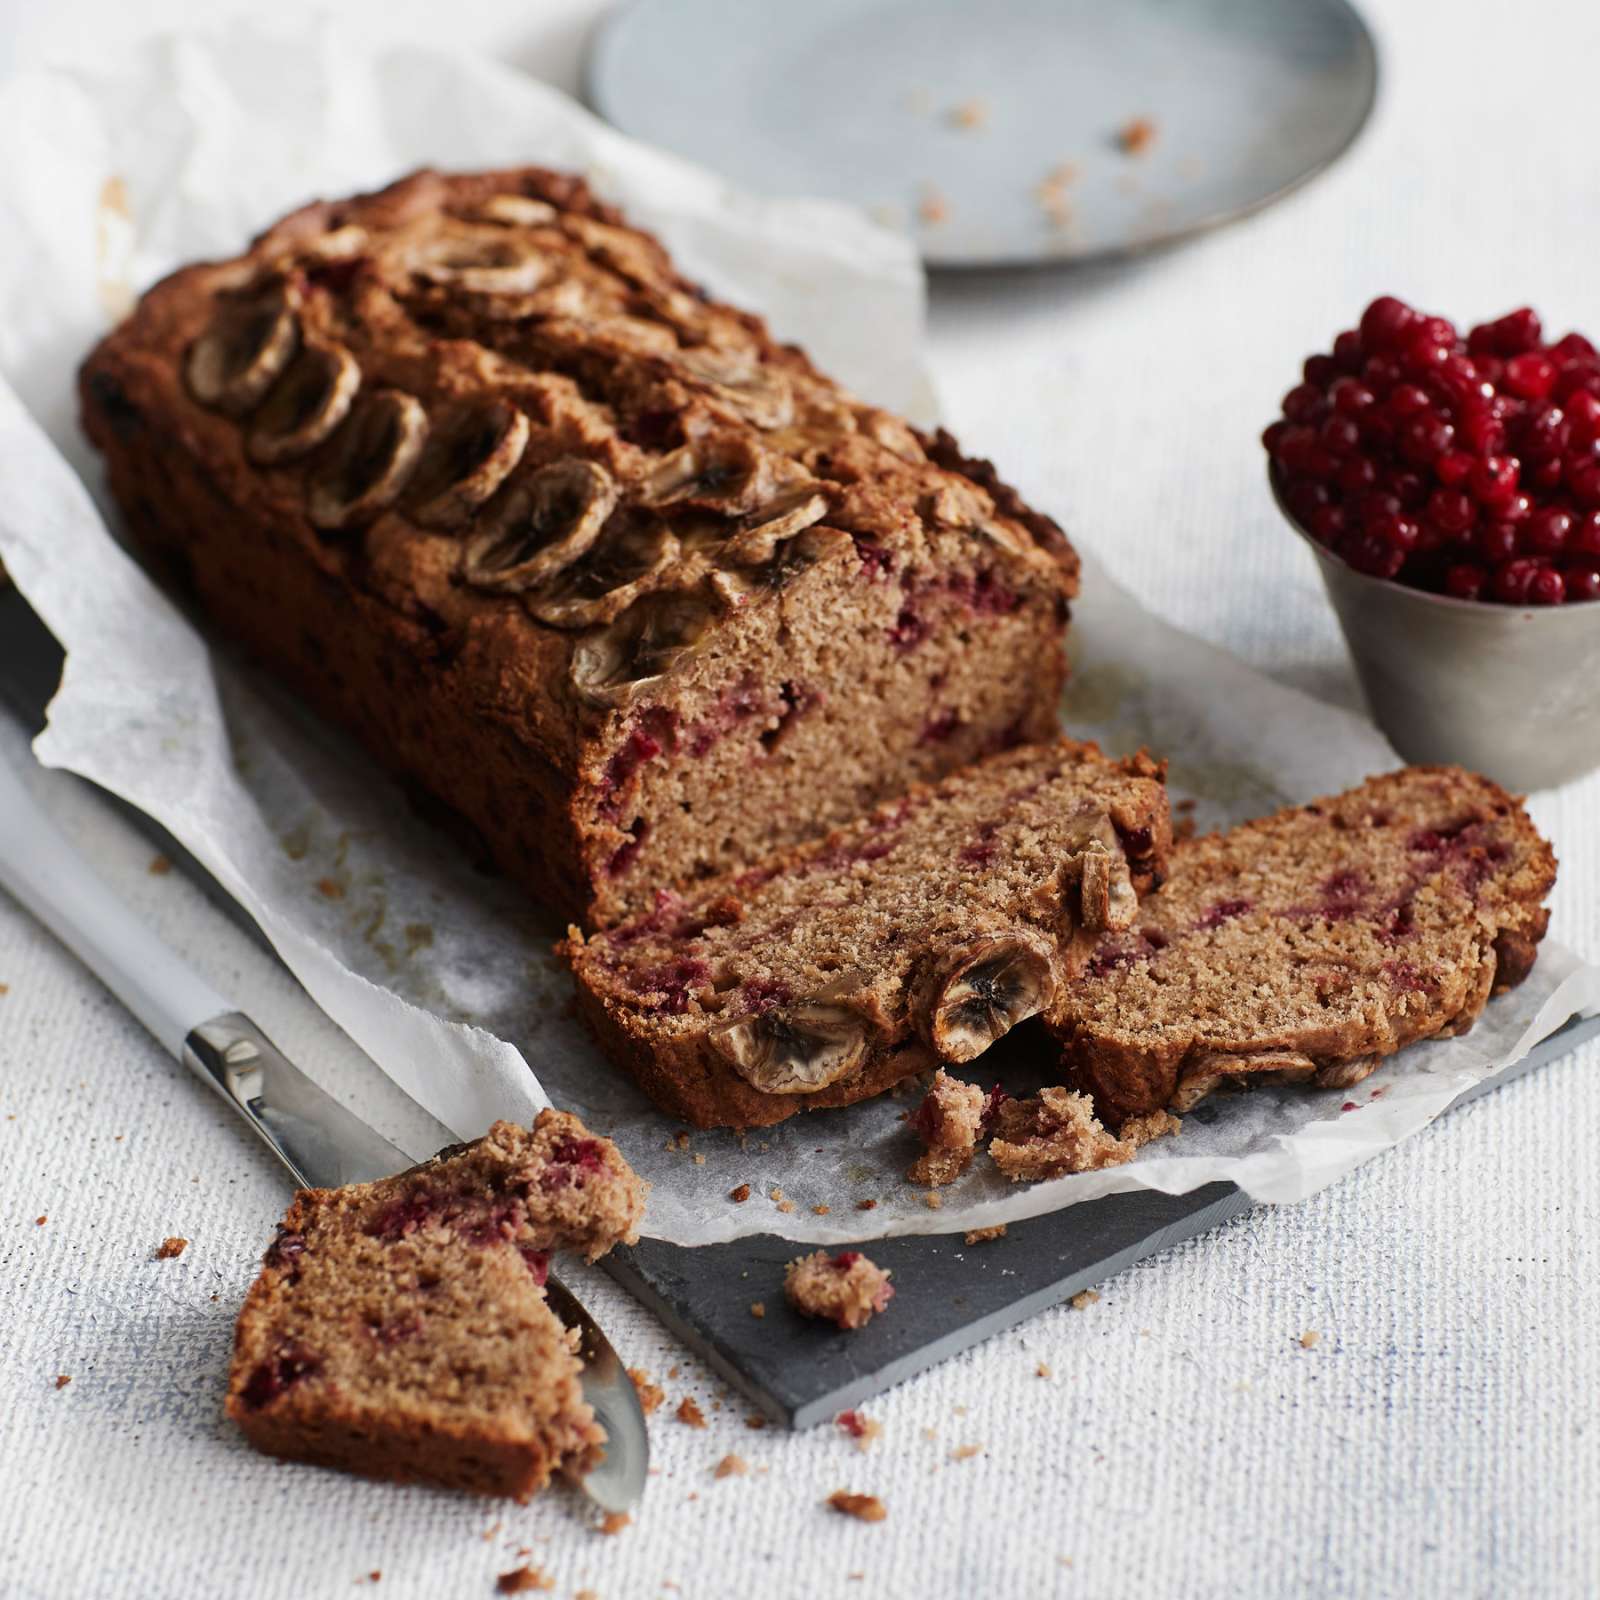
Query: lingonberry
x,y
1510,582
1468,467
1452,510
1303,403
1583,416
1426,437
1493,480
1320,371
1546,531
1494,543
1327,524
1399,531
1583,580
1546,587
1341,435
1409,488
1464,581
1385,322
1304,498
1585,540
1357,474
1351,397
1532,375
1544,474
1406,400
1483,434
1376,557
1347,351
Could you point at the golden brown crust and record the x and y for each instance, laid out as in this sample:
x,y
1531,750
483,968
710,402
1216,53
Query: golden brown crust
x,y
396,554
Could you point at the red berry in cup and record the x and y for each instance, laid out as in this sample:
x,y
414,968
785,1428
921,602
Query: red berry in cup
x,y
1583,581
1464,581
1546,587
1464,466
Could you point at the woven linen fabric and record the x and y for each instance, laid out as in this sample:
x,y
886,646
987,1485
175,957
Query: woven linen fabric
x,y
1385,1391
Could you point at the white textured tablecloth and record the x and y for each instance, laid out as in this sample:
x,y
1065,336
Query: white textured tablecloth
x,y
1442,1434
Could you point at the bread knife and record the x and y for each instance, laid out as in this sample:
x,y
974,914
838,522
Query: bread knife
x,y
322,1144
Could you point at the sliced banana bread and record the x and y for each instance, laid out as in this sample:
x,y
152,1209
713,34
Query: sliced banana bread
x,y
624,582
923,932
399,1329
1308,945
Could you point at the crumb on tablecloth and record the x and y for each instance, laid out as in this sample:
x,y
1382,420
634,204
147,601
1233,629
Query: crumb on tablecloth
x,y
730,1466
613,1522
689,1412
62,1380
1043,1370
170,1249
1310,1339
862,1429
1084,1299
846,1289
863,1507
523,1580
965,1452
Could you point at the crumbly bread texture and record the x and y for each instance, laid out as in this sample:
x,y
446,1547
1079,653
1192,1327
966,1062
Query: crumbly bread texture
x,y
922,933
1056,1132
399,1329
950,1121
1045,1135
582,553
845,1289
1307,946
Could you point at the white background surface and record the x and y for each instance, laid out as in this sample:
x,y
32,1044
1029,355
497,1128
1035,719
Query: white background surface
x,y
1442,1437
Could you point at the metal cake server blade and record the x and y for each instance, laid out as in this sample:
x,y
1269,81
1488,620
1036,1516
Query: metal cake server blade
x,y
321,1143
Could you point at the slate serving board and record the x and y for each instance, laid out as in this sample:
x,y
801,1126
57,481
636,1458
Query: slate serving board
x,y
949,1295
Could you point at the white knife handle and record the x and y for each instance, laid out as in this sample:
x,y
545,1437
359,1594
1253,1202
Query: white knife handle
x,y
53,881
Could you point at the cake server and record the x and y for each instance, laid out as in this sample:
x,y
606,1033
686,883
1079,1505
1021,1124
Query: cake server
x,y
321,1143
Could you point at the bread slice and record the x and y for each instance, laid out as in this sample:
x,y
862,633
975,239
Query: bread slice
x,y
1309,945
924,931
399,1329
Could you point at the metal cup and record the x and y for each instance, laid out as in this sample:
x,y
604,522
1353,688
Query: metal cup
x,y
1512,692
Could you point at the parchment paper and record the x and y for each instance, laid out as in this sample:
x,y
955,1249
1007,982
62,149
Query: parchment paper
x,y
442,975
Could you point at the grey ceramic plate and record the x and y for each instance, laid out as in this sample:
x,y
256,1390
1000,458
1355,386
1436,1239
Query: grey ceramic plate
x,y
991,129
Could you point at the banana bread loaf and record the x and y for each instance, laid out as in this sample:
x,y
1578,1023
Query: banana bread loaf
x,y
400,1329
1308,945
924,932
589,556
